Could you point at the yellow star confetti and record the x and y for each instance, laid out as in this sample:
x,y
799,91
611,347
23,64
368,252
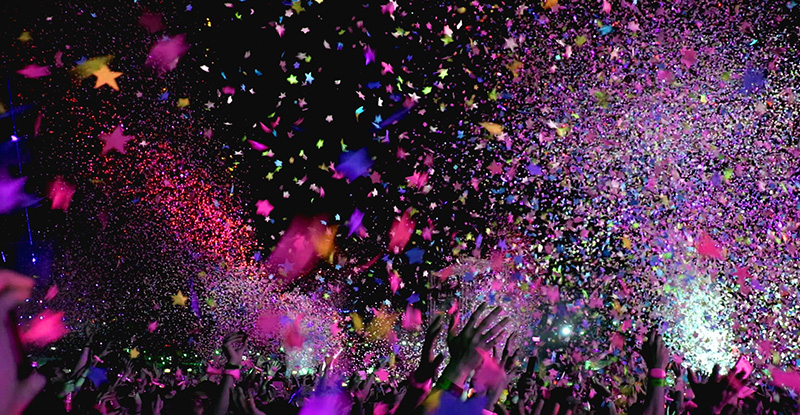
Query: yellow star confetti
x,y
106,77
298,7
179,299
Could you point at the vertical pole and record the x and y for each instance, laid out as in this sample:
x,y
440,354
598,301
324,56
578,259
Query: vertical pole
x,y
15,139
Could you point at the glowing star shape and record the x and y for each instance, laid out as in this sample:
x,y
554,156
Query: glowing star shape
x,y
688,57
106,76
263,208
179,299
115,141
510,43
418,179
134,353
297,7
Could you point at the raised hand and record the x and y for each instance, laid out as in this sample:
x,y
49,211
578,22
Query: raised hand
x,y
157,406
16,389
654,352
656,356
360,390
477,333
429,363
234,346
526,385
712,395
125,373
508,362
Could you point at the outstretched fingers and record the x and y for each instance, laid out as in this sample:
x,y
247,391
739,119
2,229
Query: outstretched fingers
x,y
492,335
694,380
488,320
474,317
507,347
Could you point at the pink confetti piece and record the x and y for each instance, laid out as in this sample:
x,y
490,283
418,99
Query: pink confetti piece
x,y
606,7
664,76
263,208
400,232
295,253
165,54
151,22
412,319
293,337
61,194
688,57
617,342
382,375
52,291
785,379
489,376
45,328
394,281
708,247
268,324
255,145
34,71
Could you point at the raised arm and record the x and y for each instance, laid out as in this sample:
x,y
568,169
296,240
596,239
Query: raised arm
x,y
234,346
656,356
422,378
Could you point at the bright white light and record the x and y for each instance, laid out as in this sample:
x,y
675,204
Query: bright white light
x,y
566,331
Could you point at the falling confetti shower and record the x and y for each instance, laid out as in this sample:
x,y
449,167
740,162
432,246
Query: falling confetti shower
x,y
325,175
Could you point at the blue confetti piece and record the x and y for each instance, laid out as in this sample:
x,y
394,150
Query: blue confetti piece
x,y
415,255
354,164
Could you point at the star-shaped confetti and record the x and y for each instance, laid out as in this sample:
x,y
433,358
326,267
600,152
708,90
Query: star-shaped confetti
x,y
179,299
106,76
115,141
263,208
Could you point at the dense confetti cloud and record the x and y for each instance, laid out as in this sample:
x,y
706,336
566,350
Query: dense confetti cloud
x,y
326,176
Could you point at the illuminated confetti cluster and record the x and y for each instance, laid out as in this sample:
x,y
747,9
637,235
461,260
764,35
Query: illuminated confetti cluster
x,y
325,176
